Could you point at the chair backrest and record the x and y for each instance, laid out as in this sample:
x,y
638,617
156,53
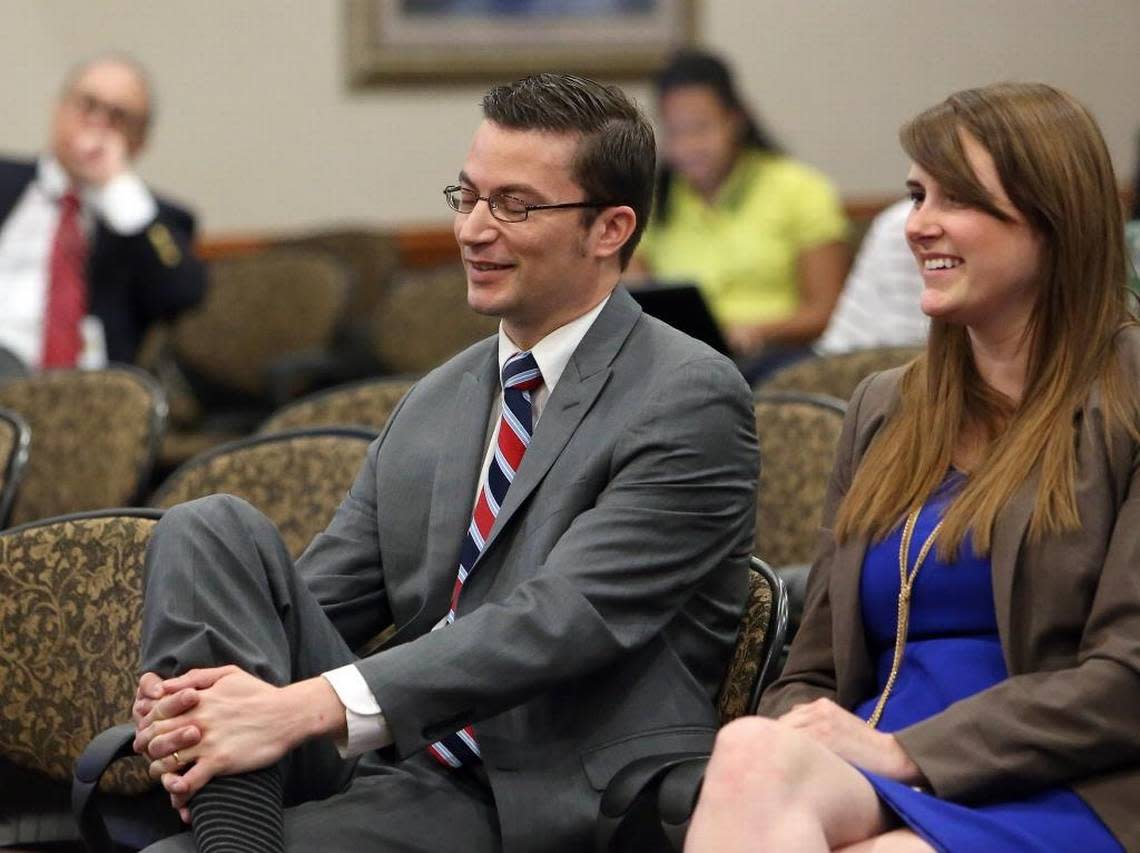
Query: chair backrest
x,y
14,439
798,434
367,403
258,309
763,628
425,320
369,254
837,375
297,478
69,637
94,436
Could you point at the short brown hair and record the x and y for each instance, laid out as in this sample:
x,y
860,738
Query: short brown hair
x,y
616,156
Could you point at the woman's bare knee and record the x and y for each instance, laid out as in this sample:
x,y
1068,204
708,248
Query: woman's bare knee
x,y
895,841
757,759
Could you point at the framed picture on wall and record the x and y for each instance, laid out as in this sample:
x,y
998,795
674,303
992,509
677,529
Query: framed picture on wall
x,y
434,40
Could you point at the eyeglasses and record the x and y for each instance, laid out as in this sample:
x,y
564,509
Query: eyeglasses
x,y
120,118
505,208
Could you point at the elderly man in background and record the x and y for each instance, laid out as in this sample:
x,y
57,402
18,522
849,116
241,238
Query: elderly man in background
x,y
89,257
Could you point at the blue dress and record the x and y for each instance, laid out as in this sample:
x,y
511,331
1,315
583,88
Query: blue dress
x,y
952,652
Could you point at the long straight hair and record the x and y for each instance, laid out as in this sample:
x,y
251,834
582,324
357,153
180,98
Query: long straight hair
x,y
1056,170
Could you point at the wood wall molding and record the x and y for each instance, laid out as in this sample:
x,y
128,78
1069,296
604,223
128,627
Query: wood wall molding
x,y
432,245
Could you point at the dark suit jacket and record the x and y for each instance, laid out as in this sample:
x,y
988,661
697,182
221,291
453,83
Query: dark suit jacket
x,y
597,622
133,280
1068,614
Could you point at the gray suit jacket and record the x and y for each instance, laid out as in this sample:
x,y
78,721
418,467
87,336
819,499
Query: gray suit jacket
x,y
596,624
1068,615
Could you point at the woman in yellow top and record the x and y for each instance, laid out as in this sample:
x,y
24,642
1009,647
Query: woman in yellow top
x,y
762,235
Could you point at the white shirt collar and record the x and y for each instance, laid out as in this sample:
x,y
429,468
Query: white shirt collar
x,y
51,177
553,352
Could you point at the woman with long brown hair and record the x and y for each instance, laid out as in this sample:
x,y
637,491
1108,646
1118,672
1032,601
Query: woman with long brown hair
x,y
968,669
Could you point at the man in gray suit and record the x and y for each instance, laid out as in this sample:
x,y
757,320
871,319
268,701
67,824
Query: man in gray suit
x,y
579,617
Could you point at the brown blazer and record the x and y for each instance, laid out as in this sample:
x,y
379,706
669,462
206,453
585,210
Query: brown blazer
x,y
1068,615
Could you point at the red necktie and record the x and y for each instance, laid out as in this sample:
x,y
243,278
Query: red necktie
x,y
520,376
67,288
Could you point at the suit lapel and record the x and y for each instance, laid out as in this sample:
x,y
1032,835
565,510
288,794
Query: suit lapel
x,y
1009,531
581,382
14,179
456,475
848,639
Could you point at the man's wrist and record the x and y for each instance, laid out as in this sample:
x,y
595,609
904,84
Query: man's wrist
x,y
319,711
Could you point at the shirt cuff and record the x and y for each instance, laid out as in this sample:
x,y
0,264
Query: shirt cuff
x,y
367,728
125,204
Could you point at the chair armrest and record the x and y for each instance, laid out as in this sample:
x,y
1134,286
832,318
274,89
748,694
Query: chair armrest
x,y
677,797
629,786
104,750
290,375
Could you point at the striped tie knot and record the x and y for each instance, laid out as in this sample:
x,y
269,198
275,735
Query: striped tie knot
x,y
521,373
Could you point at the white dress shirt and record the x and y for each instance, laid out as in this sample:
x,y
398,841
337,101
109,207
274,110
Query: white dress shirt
x,y
367,728
26,236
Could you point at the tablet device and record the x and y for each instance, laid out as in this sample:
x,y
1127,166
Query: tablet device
x,y
684,308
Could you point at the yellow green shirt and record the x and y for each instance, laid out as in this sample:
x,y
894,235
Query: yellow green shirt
x,y
741,250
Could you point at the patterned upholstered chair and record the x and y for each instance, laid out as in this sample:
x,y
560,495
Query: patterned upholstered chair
x,y
94,435
14,439
837,375
425,320
259,309
70,604
762,630
267,318
627,818
369,254
367,403
798,434
297,478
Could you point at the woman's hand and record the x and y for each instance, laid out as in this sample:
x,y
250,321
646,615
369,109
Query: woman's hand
x,y
853,740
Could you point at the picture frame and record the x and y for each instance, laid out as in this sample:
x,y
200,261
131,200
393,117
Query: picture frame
x,y
469,40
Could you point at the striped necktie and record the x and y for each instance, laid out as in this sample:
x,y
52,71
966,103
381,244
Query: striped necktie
x,y
67,288
520,376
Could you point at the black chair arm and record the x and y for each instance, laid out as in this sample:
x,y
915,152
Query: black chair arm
x,y
105,749
677,797
630,785
292,374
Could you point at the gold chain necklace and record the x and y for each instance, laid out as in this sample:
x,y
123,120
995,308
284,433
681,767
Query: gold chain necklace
x,y
906,584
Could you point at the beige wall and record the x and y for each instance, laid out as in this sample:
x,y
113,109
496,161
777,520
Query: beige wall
x,y
258,130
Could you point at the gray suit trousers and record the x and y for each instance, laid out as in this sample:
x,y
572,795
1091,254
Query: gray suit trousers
x,y
221,588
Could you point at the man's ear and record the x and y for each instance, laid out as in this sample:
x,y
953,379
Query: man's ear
x,y
612,229
136,143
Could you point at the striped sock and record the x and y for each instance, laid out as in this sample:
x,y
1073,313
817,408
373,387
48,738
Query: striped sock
x,y
239,814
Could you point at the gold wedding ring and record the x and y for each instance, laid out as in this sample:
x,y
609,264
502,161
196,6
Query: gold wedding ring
x,y
177,759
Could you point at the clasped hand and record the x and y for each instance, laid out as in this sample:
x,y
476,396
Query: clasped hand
x,y
219,721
